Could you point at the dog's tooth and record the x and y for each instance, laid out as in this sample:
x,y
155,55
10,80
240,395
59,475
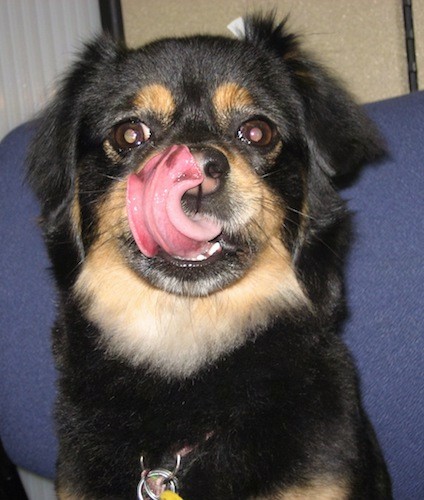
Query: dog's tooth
x,y
214,248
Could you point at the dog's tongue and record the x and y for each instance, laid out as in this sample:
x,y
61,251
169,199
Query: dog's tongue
x,y
156,217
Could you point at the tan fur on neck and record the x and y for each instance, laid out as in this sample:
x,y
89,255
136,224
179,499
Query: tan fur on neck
x,y
177,335
173,334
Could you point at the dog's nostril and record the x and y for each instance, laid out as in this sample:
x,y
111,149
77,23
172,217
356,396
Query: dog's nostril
x,y
213,162
213,170
216,165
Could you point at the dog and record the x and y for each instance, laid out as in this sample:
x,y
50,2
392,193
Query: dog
x,y
190,211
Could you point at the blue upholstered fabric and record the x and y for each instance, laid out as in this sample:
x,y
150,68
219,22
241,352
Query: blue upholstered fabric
x,y
385,284
27,376
385,291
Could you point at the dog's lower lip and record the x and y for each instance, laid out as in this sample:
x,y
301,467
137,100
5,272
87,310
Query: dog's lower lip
x,y
213,254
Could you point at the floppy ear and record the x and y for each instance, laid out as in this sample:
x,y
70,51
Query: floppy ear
x,y
52,162
52,175
340,136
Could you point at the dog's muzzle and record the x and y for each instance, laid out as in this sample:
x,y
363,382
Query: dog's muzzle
x,y
156,215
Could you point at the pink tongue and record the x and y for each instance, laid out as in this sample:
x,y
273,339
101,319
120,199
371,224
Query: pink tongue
x,y
155,215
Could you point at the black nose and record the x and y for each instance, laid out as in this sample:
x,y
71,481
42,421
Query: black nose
x,y
215,167
215,163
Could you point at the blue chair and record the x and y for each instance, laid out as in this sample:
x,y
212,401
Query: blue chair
x,y
385,288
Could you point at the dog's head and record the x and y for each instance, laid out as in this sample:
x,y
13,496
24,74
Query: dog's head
x,y
200,165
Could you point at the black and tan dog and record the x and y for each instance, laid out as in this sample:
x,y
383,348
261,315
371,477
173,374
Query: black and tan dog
x,y
197,242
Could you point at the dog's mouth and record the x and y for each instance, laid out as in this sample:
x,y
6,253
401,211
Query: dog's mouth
x,y
158,221
213,251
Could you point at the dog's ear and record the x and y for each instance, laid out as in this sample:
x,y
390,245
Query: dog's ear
x,y
53,156
339,134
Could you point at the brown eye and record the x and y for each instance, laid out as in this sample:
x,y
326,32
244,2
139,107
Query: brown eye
x,y
256,133
130,134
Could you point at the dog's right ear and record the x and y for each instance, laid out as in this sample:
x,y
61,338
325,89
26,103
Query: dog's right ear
x,y
340,137
53,157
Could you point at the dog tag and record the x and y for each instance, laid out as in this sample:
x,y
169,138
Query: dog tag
x,y
155,482
169,495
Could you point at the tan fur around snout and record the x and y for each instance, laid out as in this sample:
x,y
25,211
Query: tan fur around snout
x,y
176,335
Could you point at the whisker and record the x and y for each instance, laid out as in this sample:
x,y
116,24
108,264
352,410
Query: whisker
x,y
299,212
268,174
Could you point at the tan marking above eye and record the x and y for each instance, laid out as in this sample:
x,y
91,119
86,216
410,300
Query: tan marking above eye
x,y
229,96
157,99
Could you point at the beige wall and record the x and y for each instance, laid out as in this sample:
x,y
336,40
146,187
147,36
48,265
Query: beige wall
x,y
361,40
418,6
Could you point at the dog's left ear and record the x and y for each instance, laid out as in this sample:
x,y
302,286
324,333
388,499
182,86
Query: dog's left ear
x,y
53,157
340,136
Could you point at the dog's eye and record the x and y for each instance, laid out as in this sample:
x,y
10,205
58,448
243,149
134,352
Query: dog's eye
x,y
130,134
256,133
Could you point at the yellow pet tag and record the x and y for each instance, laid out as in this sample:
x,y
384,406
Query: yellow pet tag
x,y
170,495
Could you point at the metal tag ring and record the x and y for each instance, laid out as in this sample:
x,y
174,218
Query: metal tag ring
x,y
169,483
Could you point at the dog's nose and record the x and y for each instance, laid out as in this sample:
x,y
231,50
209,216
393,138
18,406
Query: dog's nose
x,y
214,166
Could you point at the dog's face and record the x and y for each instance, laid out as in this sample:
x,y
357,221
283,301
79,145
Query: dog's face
x,y
191,164
199,168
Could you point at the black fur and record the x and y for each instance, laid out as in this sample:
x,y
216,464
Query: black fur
x,y
281,410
